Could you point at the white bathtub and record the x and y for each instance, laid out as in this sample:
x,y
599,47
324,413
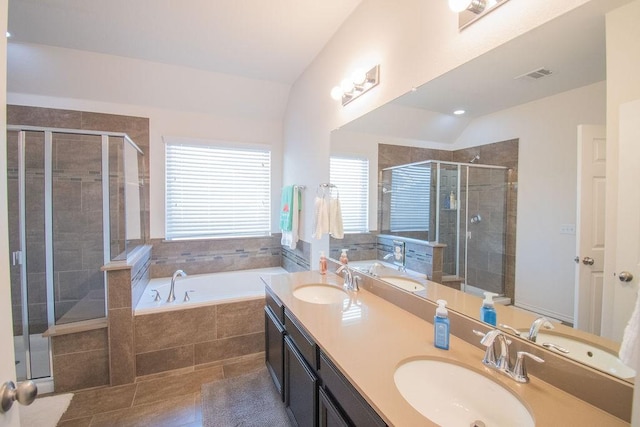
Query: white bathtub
x,y
205,289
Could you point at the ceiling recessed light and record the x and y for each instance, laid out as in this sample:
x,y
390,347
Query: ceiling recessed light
x,y
459,112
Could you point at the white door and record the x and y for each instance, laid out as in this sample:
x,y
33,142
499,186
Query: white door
x,y
623,293
590,227
7,356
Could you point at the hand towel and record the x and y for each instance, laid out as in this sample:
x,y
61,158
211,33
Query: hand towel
x,y
321,214
335,219
285,208
290,238
629,349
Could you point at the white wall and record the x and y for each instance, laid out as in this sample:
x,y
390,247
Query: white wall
x,y
547,186
414,41
178,101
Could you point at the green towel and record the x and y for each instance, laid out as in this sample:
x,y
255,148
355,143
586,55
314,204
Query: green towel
x,y
286,208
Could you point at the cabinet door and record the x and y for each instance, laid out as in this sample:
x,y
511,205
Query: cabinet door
x,y
274,349
328,414
301,391
355,409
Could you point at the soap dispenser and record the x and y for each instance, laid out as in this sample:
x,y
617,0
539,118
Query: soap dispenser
x,y
343,257
488,311
441,326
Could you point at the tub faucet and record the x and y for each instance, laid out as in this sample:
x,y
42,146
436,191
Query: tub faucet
x,y
536,325
350,281
172,292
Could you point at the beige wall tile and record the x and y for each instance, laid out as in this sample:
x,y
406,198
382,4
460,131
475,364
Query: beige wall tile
x,y
240,318
174,328
77,371
96,339
164,360
229,347
122,361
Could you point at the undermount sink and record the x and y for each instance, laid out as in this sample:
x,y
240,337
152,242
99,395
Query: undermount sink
x,y
404,283
588,354
320,294
451,395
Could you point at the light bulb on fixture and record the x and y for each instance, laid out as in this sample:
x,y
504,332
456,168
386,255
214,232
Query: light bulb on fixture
x,y
359,77
475,6
459,112
336,93
347,85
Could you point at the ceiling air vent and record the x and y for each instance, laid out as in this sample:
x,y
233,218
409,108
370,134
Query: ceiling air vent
x,y
535,74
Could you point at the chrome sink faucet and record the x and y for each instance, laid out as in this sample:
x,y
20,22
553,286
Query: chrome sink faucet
x,y
536,325
501,363
172,292
401,268
350,281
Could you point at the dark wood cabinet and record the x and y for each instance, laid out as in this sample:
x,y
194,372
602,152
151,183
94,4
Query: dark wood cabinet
x,y
355,410
328,414
314,391
274,349
301,389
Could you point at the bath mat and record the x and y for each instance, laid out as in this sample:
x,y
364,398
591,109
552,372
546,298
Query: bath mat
x,y
250,400
44,411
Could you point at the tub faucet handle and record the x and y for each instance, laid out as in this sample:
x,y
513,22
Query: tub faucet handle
x,y
186,296
157,296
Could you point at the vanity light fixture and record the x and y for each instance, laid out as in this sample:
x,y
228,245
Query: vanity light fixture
x,y
359,83
8,34
471,10
475,6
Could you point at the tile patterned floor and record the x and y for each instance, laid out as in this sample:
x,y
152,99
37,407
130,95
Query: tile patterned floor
x,y
166,400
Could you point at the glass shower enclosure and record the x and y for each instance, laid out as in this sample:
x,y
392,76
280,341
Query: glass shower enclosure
x,y
462,206
68,196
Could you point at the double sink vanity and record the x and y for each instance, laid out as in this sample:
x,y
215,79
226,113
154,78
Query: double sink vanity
x,y
341,357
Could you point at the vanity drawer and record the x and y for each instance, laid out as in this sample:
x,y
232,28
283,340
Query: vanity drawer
x,y
277,308
301,339
352,404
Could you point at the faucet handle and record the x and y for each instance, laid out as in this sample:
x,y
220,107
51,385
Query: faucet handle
x,y
520,370
513,330
356,283
157,296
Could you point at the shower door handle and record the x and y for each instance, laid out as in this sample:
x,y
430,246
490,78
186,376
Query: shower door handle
x,y
16,257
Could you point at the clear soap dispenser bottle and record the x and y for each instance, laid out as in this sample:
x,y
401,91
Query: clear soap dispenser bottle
x,y
343,257
441,326
488,311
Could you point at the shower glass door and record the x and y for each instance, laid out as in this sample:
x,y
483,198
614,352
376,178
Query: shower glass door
x,y
56,237
27,242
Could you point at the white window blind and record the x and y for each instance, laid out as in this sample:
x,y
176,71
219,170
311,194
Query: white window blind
x,y
410,202
214,191
351,176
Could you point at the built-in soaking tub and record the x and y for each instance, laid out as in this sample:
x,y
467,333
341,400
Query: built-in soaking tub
x,y
221,324
205,289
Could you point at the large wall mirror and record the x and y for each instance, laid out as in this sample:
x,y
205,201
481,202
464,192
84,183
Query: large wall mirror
x,y
503,176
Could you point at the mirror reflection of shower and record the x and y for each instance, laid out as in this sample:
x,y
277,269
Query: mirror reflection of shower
x,y
461,206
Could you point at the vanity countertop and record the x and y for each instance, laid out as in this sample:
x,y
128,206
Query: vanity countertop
x,y
370,338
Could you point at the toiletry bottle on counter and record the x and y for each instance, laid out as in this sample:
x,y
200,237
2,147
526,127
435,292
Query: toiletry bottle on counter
x,y
441,326
488,311
323,263
343,257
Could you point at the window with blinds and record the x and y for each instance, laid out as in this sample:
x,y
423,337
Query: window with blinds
x,y
351,176
410,202
215,191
